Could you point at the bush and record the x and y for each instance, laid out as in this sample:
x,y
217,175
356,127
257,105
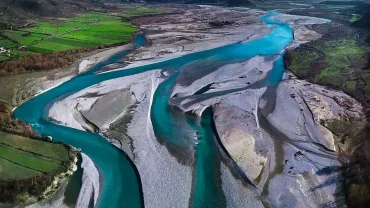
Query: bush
x,y
38,62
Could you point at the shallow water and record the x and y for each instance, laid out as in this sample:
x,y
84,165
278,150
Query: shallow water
x,y
207,191
120,183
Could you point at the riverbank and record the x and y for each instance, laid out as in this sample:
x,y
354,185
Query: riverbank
x,y
33,170
20,88
340,60
32,166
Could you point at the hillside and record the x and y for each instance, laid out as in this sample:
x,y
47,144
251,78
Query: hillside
x,y
16,12
218,2
47,7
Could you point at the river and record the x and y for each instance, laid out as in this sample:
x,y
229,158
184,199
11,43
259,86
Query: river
x,y
120,181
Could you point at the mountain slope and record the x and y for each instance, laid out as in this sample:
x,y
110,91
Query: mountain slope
x,y
222,2
46,7
16,12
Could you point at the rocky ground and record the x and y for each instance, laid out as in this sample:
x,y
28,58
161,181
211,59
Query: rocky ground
x,y
198,29
340,59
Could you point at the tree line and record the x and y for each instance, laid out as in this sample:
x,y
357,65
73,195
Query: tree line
x,y
15,126
36,62
48,61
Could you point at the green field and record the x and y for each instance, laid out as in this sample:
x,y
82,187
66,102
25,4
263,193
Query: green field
x,y
22,158
340,56
4,58
63,25
23,37
354,18
103,33
83,31
6,43
15,54
141,11
337,63
87,30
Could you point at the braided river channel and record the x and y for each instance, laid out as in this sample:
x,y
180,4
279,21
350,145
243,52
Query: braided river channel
x,y
119,180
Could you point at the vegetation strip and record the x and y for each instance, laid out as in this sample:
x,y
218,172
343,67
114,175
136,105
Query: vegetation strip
x,y
22,165
340,59
35,162
51,150
60,162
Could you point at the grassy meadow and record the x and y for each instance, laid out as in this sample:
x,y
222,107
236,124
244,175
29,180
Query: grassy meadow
x,y
22,158
333,63
141,11
83,31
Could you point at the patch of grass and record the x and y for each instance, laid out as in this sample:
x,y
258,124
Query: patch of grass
x,y
23,37
48,47
350,85
301,66
141,11
22,158
18,53
337,63
37,49
26,160
51,28
91,17
330,77
103,33
14,53
367,85
339,6
12,171
84,31
61,26
354,18
343,53
6,43
4,57
73,42
340,58
54,151
15,87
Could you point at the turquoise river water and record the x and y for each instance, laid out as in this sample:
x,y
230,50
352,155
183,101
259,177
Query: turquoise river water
x,y
120,181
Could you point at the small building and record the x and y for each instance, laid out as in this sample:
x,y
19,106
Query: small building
x,y
23,48
4,50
